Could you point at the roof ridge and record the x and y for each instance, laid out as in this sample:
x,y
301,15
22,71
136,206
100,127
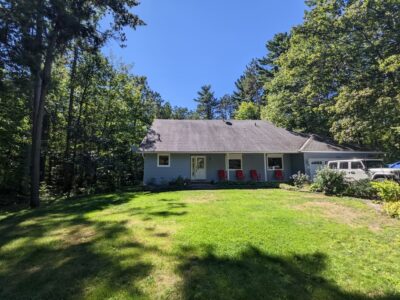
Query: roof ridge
x,y
311,137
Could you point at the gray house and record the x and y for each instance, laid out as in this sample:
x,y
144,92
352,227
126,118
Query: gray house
x,y
211,150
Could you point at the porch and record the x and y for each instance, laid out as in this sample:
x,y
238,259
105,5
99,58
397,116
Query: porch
x,y
162,168
267,166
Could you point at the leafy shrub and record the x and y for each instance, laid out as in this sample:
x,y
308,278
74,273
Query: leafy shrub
x,y
300,179
392,209
388,191
330,182
361,189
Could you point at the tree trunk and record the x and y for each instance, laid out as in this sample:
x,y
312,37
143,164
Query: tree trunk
x,y
68,166
42,79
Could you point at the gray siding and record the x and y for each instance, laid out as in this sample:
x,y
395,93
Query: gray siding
x,y
215,162
179,166
287,168
297,162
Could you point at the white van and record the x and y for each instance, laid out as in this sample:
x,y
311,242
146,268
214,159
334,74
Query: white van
x,y
357,169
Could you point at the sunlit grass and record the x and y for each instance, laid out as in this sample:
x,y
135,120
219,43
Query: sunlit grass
x,y
226,244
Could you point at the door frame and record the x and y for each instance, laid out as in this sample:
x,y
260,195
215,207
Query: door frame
x,y
191,166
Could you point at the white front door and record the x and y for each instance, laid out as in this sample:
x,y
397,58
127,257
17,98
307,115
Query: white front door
x,y
198,167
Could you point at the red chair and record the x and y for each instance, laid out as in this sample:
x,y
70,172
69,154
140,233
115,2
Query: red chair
x,y
254,175
279,175
222,175
239,175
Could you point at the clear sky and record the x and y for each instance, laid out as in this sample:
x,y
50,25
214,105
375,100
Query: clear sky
x,y
189,43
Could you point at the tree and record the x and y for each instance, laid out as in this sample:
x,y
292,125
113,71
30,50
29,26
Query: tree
x,y
207,103
225,107
35,33
340,75
247,111
249,87
267,65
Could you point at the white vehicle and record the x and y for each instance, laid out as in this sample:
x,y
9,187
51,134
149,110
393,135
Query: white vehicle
x,y
357,169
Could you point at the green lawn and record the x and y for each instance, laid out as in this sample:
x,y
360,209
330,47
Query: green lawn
x,y
219,244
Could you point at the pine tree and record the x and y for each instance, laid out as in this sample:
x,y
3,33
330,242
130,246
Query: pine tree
x,y
207,103
249,87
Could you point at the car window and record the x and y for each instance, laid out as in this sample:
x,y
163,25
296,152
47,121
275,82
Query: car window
x,y
344,165
356,165
333,165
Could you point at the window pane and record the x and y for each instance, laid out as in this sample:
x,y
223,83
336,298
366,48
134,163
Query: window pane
x,y
275,163
163,160
200,162
356,165
344,165
333,166
235,164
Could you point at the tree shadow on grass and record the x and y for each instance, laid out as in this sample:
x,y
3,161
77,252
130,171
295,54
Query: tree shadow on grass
x,y
55,252
258,275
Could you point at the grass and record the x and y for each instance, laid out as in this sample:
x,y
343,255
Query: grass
x,y
220,244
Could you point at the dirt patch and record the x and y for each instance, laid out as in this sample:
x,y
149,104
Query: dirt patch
x,y
374,221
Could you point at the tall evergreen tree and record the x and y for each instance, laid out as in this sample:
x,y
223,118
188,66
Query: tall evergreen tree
x,y
207,103
225,107
249,87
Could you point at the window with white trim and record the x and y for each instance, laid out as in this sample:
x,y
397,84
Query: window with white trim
x,y
235,162
163,160
275,162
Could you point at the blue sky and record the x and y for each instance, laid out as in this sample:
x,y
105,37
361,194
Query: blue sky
x,y
189,43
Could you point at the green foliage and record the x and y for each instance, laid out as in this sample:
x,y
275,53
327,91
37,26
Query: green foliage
x,y
330,182
392,209
361,189
207,103
338,75
247,111
249,87
388,190
300,179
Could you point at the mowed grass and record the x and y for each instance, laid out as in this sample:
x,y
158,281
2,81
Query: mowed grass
x,y
217,244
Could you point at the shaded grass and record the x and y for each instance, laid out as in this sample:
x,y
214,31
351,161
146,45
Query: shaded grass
x,y
219,244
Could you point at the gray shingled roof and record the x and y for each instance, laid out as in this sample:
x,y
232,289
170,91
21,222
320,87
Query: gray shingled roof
x,y
247,136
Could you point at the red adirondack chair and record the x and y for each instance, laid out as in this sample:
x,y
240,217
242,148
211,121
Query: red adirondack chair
x,y
279,175
239,175
254,175
222,175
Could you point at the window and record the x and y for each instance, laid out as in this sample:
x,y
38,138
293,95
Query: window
x,y
357,165
344,165
275,162
163,160
373,164
333,165
235,162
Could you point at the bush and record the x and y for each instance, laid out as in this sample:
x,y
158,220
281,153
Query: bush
x,y
300,179
392,209
388,191
361,189
330,182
